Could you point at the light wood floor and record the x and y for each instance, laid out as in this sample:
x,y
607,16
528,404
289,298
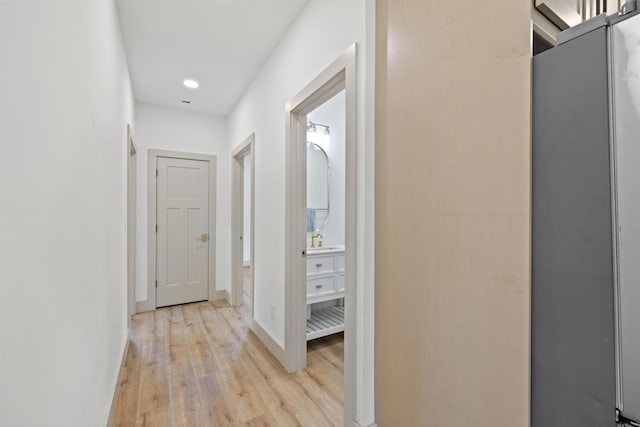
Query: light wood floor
x,y
199,365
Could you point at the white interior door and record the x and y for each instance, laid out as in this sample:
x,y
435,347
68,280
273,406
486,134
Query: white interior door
x,y
183,231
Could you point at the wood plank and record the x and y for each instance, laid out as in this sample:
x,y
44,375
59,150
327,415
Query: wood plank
x,y
454,349
200,365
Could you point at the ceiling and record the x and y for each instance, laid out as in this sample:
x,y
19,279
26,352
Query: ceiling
x,y
220,43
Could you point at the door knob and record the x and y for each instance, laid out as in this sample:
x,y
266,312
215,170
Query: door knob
x,y
204,237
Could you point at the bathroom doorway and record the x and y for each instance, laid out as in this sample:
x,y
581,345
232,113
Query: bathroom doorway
x,y
320,234
326,219
132,172
242,224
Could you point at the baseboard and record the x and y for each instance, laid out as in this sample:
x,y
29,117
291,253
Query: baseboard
x,y
147,305
268,342
114,400
246,263
144,306
220,295
370,425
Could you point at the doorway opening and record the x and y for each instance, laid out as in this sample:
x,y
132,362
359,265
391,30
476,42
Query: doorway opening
x,y
326,219
314,205
242,224
131,224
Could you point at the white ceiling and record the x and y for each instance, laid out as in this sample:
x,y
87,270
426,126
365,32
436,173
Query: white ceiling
x,y
219,43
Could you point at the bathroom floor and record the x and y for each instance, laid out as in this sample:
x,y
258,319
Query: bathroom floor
x,y
199,365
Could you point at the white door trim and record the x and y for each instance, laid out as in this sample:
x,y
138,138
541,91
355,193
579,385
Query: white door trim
x,y
237,262
341,74
150,303
131,224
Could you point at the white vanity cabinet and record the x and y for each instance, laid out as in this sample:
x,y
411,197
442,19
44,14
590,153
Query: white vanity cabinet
x,y
325,282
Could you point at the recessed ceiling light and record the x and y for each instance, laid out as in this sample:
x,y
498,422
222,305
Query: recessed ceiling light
x,y
191,84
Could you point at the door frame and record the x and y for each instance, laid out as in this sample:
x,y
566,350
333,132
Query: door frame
x,y
340,75
132,198
247,147
151,303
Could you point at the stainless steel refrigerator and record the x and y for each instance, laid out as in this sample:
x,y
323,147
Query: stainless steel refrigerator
x,y
585,361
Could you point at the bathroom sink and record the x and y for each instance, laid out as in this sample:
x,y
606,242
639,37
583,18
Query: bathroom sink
x,y
325,249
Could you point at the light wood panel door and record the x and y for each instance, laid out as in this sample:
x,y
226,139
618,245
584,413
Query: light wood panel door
x,y
452,180
182,231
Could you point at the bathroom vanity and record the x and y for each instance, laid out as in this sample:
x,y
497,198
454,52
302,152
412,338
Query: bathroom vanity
x,y
325,284
325,279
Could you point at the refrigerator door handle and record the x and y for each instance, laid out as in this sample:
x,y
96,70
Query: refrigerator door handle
x,y
628,7
622,419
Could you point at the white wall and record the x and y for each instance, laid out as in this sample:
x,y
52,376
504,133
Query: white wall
x,y
246,234
174,129
323,31
332,113
66,100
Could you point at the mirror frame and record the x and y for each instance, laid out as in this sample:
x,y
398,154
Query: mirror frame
x,y
328,209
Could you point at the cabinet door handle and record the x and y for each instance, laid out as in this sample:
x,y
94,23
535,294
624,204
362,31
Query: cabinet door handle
x,y
318,265
318,286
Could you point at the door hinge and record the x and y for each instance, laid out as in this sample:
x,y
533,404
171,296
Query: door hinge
x,y
156,172
156,284
156,228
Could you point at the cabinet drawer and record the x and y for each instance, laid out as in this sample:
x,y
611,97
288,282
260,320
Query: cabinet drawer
x,y
319,287
320,264
340,262
340,283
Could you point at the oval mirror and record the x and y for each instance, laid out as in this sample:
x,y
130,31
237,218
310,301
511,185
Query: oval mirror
x,y
318,181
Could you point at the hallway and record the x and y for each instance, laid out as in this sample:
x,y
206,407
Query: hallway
x,y
437,270
199,365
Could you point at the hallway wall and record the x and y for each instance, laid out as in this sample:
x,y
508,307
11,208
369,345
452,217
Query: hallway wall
x,y
66,100
453,142
174,129
323,31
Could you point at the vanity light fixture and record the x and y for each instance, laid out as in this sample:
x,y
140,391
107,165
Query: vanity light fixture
x,y
313,127
191,84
